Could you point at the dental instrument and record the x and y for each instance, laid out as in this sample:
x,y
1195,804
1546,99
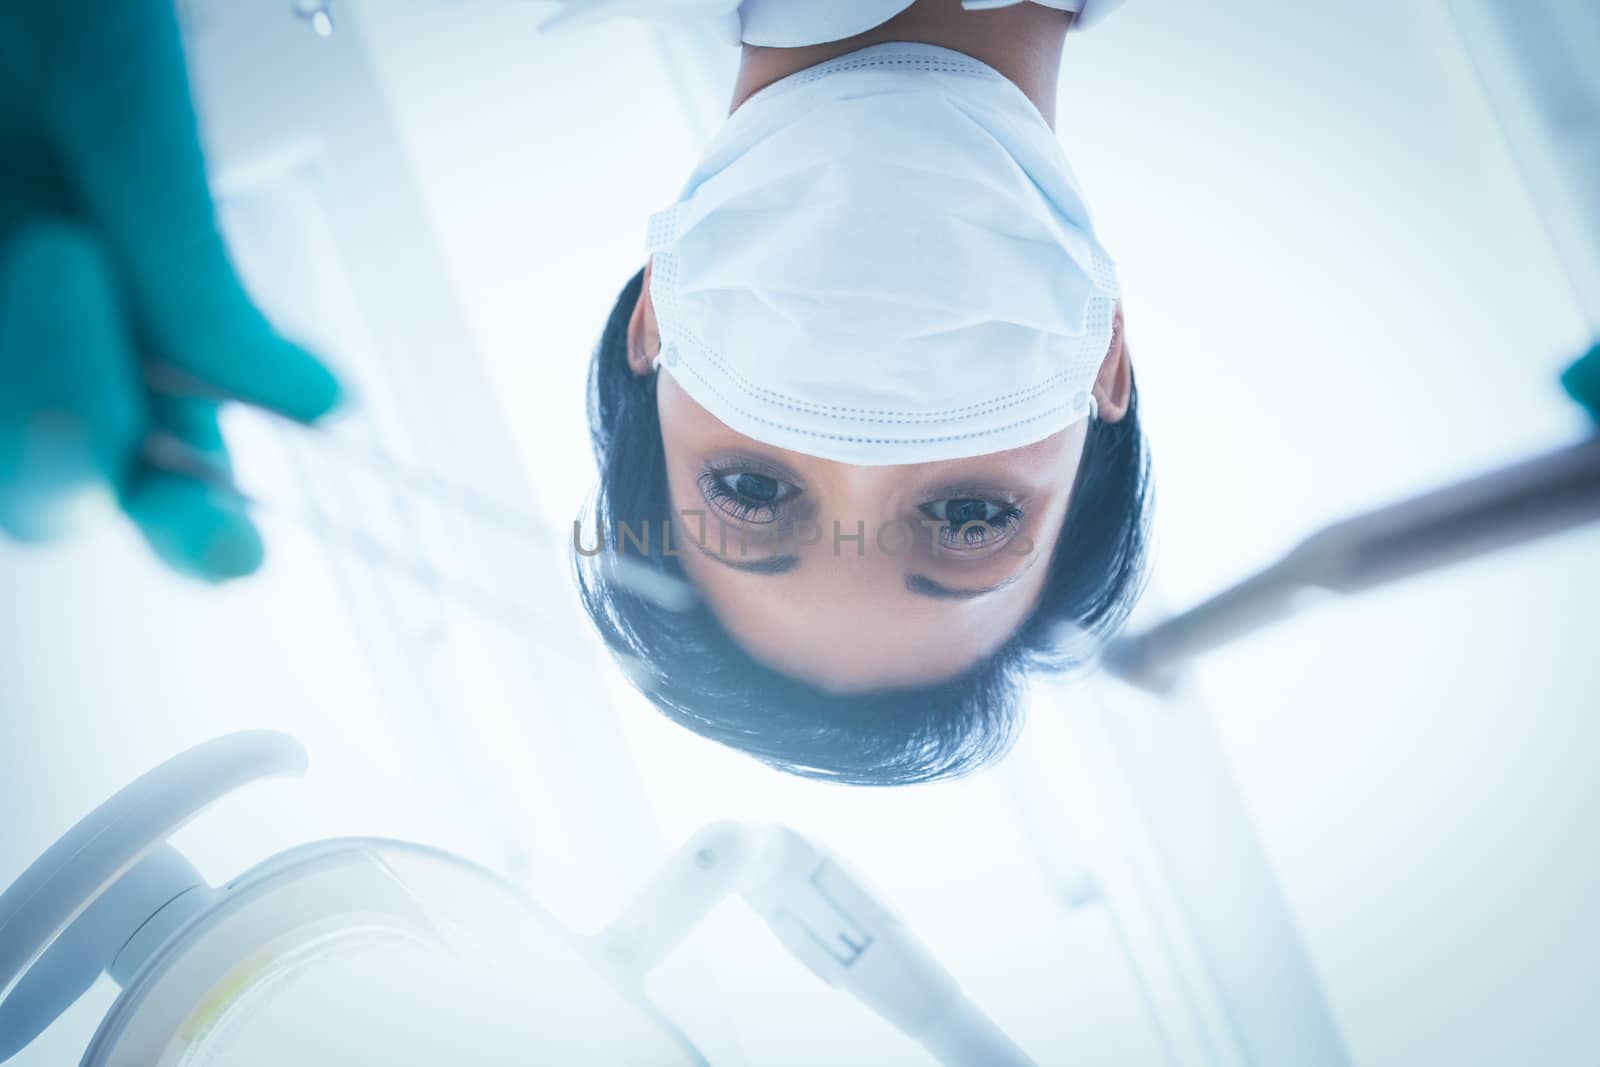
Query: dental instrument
x,y
169,453
1500,509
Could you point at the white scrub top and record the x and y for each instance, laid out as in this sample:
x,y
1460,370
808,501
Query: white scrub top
x,y
793,23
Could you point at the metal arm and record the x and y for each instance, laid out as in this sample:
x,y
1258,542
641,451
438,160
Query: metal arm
x,y
1537,497
825,916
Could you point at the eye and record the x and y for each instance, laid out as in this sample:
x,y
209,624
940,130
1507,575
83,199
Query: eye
x,y
748,496
969,523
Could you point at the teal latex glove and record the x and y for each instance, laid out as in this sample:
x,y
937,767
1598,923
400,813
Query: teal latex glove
x,y
110,258
1582,381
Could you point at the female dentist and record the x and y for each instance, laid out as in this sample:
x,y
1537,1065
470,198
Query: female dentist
x,y
876,382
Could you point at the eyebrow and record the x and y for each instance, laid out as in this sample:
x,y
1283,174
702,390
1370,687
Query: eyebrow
x,y
922,585
768,565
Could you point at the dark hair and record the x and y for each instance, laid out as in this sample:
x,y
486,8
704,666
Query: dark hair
x,y
693,671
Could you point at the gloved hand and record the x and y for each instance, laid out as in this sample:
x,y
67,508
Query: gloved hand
x,y
110,260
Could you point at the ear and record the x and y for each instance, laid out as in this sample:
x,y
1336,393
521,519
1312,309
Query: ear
x,y
644,335
1113,388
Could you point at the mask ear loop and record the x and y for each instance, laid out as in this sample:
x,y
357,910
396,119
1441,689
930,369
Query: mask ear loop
x,y
666,356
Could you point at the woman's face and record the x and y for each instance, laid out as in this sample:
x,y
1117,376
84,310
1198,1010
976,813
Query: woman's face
x,y
858,578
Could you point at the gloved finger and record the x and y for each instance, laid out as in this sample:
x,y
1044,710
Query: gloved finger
x,y
196,528
122,118
71,407
1582,381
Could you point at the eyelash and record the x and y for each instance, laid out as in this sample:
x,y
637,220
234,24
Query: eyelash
x,y
996,528
714,487
738,507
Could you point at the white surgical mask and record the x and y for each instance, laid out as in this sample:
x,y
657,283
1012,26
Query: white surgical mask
x,y
885,259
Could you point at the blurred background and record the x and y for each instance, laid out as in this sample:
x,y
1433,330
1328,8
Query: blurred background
x,y
1364,836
